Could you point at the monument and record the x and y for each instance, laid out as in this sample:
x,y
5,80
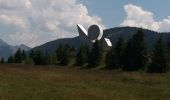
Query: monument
x,y
94,33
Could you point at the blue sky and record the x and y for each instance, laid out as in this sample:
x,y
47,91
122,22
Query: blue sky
x,y
112,11
34,22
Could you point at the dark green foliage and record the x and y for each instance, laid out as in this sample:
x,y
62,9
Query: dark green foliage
x,y
127,56
168,49
45,59
159,60
82,55
59,52
2,61
10,59
110,60
31,54
24,55
38,57
135,54
28,61
52,59
65,55
96,55
113,58
72,52
18,56
118,52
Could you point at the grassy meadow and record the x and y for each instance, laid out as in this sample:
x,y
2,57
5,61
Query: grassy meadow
x,y
21,82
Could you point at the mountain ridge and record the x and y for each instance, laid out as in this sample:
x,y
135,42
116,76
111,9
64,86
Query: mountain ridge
x,y
7,50
113,34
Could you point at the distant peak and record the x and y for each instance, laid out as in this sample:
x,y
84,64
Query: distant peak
x,y
3,43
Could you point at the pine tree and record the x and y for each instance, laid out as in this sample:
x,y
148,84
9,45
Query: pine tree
x,y
72,56
24,55
10,59
96,54
18,56
82,55
110,60
2,61
59,52
118,52
31,54
52,59
37,57
135,54
127,60
65,55
168,49
159,60
45,59
87,52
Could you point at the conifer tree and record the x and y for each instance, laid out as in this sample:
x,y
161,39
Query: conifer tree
x,y
65,55
159,60
110,60
31,54
82,55
96,54
59,52
52,59
45,59
118,52
135,54
18,56
168,49
72,56
10,59
2,61
37,57
127,56
24,55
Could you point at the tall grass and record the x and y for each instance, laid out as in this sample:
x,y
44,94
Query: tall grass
x,y
21,82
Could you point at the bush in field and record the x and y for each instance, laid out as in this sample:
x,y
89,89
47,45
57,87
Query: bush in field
x,y
28,61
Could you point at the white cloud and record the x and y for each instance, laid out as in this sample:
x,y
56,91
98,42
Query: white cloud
x,y
138,17
42,20
165,25
13,20
27,38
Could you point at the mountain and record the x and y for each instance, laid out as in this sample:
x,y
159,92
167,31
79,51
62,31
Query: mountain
x,y
2,43
113,34
127,32
22,47
53,45
7,50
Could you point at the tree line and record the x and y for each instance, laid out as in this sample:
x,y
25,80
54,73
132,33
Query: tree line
x,y
130,55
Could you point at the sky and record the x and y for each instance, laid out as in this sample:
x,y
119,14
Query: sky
x,y
34,22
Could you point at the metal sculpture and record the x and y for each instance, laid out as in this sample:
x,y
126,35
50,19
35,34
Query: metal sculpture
x,y
94,33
